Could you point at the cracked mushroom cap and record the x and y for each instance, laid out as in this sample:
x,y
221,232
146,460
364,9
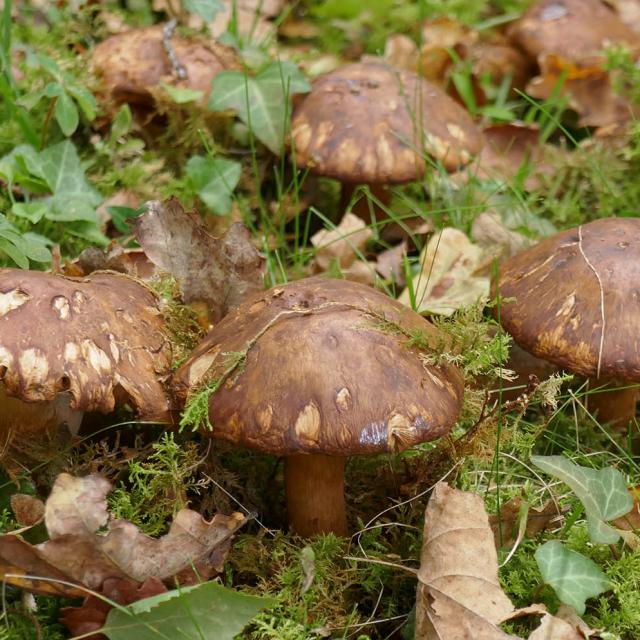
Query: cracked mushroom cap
x,y
573,29
132,63
557,285
323,373
368,122
100,339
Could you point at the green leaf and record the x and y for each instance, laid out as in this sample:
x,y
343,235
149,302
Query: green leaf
x,y
603,492
206,9
85,99
214,180
262,102
181,95
206,611
67,114
120,216
32,211
573,577
21,247
122,122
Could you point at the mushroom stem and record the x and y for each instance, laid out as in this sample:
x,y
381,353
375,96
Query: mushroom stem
x,y
315,494
615,406
366,209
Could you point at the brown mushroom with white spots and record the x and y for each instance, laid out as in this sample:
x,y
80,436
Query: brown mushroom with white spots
x,y
70,345
369,123
132,64
574,299
316,371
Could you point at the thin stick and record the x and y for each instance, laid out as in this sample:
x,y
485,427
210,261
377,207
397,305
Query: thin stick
x,y
603,319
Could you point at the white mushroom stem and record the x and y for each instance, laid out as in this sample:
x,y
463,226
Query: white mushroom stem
x,y
616,405
315,494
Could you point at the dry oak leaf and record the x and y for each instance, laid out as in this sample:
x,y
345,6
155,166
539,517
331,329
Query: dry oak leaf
x,y
88,546
28,510
219,272
489,232
446,280
343,244
459,596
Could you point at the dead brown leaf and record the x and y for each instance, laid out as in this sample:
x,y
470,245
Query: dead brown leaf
x,y
459,596
489,232
630,521
86,545
217,271
341,245
446,280
401,52
390,264
28,510
92,615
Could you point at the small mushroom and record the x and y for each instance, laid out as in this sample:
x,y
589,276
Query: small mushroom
x,y
573,299
69,345
369,123
316,371
132,64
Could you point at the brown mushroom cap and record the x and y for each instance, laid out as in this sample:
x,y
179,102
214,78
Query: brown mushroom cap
x,y
132,63
368,123
573,29
557,313
322,375
99,339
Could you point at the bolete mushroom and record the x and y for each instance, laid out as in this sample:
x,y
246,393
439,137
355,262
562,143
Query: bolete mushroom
x,y
316,371
369,123
69,345
573,299
130,65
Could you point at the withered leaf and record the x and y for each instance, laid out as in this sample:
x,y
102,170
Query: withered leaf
x,y
446,280
459,596
87,545
219,272
27,509
343,244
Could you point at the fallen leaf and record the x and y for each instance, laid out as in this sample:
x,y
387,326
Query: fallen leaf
x,y
342,245
87,546
217,271
446,279
630,521
28,510
489,232
390,264
92,615
628,11
401,51
511,523
459,596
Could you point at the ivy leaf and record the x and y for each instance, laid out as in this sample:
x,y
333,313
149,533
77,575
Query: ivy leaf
x,y
573,577
85,99
603,492
207,611
66,114
214,180
181,95
262,101
206,9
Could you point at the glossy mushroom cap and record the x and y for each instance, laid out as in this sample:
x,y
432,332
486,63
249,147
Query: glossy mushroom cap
x,y
557,312
573,29
369,123
132,63
100,339
328,370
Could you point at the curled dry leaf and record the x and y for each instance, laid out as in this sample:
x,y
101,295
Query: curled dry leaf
x,y
459,596
390,263
341,245
86,546
446,280
218,272
489,232
28,510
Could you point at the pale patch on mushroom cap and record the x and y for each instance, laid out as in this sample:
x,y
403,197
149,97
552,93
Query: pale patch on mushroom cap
x,y
323,375
557,314
94,337
132,63
371,123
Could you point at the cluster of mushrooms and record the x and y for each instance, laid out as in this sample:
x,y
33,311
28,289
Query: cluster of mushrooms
x,y
327,368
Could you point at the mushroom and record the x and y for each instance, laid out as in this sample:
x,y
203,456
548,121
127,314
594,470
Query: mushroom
x,y
132,64
573,300
316,371
369,123
69,345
